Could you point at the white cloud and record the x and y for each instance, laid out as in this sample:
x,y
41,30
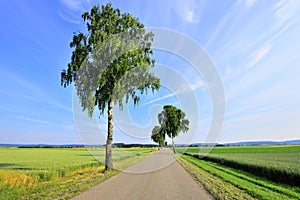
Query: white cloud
x,y
33,120
190,16
74,4
160,98
72,10
286,10
188,11
247,3
259,54
184,89
263,124
229,71
283,15
218,29
197,85
31,91
69,17
230,19
274,99
250,3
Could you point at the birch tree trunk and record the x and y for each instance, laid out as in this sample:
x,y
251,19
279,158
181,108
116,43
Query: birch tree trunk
x,y
173,145
109,141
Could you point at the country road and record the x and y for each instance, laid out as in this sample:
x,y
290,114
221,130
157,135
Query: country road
x,y
159,176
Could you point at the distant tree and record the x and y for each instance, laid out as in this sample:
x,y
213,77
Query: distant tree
x,y
158,136
173,121
110,62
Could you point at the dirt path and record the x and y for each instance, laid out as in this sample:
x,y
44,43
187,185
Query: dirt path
x,y
157,177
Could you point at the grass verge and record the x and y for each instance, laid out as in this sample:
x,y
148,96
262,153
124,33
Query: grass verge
x,y
276,163
227,183
215,186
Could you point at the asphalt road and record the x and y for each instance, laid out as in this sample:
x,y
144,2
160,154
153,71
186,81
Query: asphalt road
x,y
159,176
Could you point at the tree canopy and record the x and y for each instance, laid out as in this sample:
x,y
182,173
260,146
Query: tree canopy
x,y
158,136
172,121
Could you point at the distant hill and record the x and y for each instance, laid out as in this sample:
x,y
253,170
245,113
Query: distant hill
x,y
288,142
250,143
122,145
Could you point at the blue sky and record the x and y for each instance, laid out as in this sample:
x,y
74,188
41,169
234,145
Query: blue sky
x,y
254,45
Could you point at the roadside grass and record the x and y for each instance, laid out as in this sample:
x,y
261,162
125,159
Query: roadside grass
x,y
58,173
219,189
277,163
227,183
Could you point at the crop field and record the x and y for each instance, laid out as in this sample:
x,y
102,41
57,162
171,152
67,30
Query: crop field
x,y
276,163
57,173
264,172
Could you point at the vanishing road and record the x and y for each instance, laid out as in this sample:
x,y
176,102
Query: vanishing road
x,y
159,176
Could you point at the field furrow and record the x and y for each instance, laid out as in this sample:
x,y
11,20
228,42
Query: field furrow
x,y
246,182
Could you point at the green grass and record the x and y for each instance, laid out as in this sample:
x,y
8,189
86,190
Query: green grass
x,y
218,188
57,173
276,163
236,182
248,149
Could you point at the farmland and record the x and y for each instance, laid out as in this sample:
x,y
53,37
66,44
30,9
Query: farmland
x,y
264,172
57,173
226,172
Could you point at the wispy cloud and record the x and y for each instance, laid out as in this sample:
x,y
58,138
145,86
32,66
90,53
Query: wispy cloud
x,y
275,99
285,10
197,85
231,71
184,89
263,125
250,3
230,19
259,54
69,17
279,19
72,10
75,4
218,29
188,11
33,120
29,90
160,98
61,126
247,3
272,111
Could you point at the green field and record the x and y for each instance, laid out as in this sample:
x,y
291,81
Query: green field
x,y
276,163
57,173
263,172
248,149
226,172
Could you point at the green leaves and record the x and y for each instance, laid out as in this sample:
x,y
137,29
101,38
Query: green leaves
x,y
157,136
111,61
172,121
